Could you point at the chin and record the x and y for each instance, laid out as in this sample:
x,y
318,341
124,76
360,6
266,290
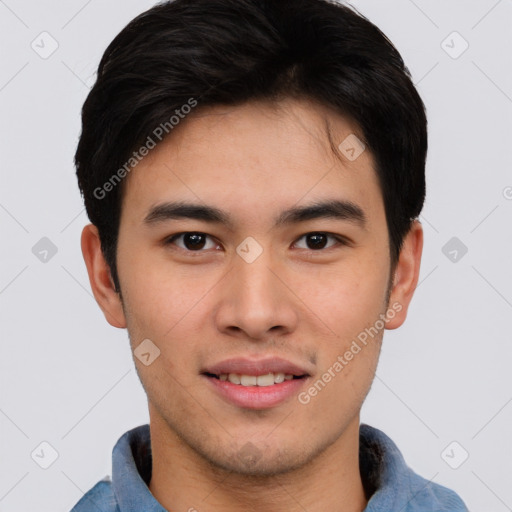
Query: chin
x,y
263,467
257,459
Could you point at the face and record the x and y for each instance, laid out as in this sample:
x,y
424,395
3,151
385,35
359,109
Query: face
x,y
238,286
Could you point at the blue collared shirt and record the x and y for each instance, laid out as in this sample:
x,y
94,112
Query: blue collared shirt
x,y
393,486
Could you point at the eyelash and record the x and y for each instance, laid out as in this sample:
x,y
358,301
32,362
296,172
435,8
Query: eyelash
x,y
341,240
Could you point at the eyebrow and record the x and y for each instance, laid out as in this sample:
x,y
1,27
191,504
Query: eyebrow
x,y
330,209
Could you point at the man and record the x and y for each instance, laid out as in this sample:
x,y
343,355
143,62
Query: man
x,y
253,171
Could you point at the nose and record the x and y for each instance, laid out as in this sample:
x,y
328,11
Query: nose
x,y
256,301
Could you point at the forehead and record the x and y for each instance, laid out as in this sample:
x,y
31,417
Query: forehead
x,y
256,156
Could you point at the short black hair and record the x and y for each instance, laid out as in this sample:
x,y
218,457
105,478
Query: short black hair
x,y
200,53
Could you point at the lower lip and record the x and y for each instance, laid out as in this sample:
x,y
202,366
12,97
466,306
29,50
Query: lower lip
x,y
257,397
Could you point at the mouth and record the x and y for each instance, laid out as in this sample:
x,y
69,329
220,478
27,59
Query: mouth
x,y
255,391
245,370
268,379
256,384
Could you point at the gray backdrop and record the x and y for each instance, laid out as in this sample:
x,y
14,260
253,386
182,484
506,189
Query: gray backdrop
x,y
443,389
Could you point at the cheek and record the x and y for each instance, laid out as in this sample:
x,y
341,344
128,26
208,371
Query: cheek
x,y
348,358
157,296
168,307
351,295
351,304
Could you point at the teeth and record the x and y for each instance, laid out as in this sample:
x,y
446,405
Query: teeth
x,y
234,378
248,380
279,377
267,380
253,380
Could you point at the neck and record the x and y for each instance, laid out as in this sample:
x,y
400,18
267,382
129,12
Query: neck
x,y
183,480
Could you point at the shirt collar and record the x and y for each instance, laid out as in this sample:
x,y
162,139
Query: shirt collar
x,y
131,472
397,486
389,482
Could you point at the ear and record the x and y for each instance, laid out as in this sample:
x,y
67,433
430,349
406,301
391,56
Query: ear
x,y
406,276
99,276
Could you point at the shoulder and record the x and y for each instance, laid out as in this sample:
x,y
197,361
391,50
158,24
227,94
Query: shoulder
x,y
428,495
99,498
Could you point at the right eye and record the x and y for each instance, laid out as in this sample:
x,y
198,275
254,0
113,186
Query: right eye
x,y
191,241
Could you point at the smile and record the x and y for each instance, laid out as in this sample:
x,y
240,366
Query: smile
x,y
268,379
255,391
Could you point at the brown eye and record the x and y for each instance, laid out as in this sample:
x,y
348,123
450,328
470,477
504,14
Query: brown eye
x,y
191,241
318,240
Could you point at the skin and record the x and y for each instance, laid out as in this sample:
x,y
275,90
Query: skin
x,y
294,301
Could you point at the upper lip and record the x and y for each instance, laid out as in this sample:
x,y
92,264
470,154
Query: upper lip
x,y
244,366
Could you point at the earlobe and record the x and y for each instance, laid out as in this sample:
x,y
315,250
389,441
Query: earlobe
x,y
99,276
406,276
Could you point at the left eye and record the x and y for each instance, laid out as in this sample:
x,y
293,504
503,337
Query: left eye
x,y
318,241
192,241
